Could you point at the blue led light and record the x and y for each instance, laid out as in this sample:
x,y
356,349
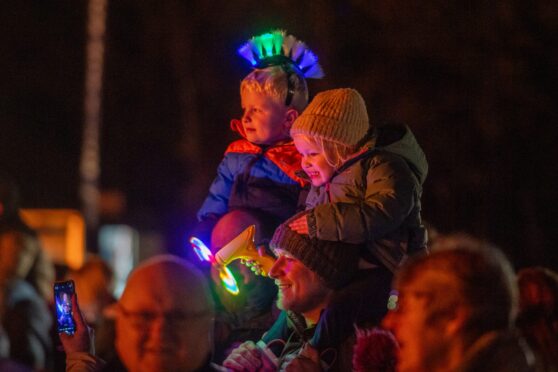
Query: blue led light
x,y
246,51
201,250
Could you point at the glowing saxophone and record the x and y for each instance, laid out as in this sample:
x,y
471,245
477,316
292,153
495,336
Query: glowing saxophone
x,y
241,247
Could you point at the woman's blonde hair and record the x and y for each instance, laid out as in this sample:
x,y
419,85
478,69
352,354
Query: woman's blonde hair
x,y
272,81
335,153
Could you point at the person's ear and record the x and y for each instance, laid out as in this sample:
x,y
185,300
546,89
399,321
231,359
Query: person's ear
x,y
290,117
111,311
457,321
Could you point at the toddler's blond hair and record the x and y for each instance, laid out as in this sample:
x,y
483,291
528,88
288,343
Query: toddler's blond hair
x,y
272,81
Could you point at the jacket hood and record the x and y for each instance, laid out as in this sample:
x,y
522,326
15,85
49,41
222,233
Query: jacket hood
x,y
400,140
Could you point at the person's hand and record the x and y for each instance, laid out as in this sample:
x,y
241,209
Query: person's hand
x,y
247,357
300,225
83,339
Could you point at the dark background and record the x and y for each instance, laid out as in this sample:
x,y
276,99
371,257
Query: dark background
x,y
476,81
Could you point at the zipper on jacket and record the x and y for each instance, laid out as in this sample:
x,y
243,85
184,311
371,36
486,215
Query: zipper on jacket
x,y
328,192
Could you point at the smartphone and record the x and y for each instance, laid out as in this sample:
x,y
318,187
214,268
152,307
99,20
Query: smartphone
x,y
63,293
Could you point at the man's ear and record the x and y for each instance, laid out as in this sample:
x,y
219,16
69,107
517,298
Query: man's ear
x,y
458,320
290,117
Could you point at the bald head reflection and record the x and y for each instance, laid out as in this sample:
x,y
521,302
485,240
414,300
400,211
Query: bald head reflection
x,y
164,320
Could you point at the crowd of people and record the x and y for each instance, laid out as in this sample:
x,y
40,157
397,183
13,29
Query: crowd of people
x,y
355,285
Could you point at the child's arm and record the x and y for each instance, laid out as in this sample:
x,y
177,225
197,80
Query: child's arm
x,y
391,194
216,202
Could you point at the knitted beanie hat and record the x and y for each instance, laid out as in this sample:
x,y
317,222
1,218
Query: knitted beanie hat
x,y
337,115
334,262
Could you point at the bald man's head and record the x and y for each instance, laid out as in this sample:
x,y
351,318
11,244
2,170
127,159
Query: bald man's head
x,y
165,317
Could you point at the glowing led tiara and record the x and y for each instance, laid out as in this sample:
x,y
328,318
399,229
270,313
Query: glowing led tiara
x,y
278,49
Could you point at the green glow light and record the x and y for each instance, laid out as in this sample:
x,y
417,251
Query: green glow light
x,y
267,42
229,282
392,302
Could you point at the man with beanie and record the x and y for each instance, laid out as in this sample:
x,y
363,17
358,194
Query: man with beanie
x,y
308,273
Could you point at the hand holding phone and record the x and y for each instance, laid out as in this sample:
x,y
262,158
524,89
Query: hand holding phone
x,y
75,335
63,296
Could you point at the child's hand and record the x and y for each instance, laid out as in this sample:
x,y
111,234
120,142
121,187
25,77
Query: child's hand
x,y
300,225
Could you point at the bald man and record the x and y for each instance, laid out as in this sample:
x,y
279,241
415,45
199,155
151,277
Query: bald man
x,y
164,321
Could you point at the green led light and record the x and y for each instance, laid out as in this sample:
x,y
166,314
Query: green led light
x,y
277,42
229,282
267,42
392,302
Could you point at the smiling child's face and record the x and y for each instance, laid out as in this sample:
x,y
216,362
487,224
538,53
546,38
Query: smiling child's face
x,y
265,119
313,161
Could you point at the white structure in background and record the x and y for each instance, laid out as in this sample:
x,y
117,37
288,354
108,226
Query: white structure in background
x,y
119,247
90,153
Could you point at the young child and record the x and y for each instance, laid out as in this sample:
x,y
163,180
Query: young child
x,y
258,172
366,188
256,181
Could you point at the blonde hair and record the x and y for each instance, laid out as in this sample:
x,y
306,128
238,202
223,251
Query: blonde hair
x,y
272,81
335,153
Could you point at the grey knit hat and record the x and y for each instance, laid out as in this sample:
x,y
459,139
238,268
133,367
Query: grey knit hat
x,y
337,115
334,262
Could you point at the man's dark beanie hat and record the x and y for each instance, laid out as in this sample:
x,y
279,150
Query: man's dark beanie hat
x,y
335,262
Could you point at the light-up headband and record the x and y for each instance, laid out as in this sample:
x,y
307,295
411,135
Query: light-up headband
x,y
277,49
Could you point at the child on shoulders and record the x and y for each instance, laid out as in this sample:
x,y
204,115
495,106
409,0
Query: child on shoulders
x,y
257,181
258,172
366,188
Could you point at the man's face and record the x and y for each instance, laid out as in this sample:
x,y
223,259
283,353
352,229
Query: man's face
x,y
313,161
163,322
422,340
265,119
300,289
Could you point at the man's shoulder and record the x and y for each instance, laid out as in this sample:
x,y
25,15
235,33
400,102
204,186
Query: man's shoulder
x,y
502,351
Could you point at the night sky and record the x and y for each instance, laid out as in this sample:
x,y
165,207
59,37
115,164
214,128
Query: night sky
x,y
476,81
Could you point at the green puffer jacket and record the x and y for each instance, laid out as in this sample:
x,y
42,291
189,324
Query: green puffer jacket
x,y
375,198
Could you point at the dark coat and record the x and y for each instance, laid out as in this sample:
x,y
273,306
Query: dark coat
x,y
374,198
27,322
499,352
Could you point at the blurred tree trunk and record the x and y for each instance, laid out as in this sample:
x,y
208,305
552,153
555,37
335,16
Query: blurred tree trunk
x,y
90,153
182,23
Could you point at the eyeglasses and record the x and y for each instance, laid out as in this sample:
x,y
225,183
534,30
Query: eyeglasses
x,y
175,319
395,299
